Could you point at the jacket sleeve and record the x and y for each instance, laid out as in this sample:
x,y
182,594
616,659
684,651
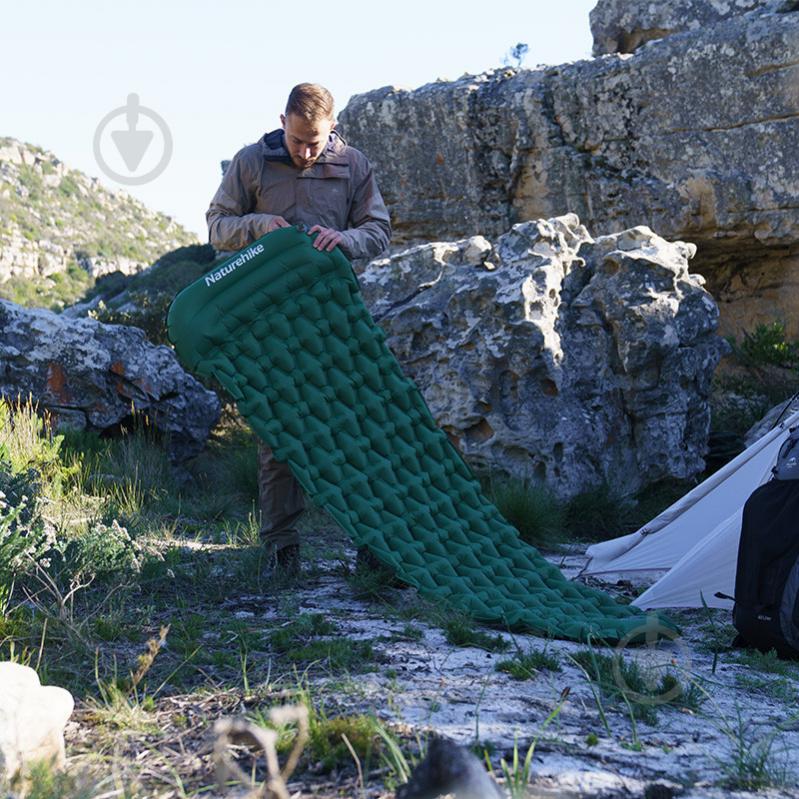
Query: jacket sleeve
x,y
369,228
231,226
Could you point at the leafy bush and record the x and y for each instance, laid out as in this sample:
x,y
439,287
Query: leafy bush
x,y
762,371
21,492
22,536
27,442
68,187
13,545
766,346
102,552
149,314
54,292
544,520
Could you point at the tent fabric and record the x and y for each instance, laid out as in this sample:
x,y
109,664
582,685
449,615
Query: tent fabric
x,y
283,327
707,568
696,538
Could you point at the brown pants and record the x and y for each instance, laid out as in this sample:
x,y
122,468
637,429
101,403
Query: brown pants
x,y
281,500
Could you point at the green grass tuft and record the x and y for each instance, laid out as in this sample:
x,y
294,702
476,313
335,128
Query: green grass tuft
x,y
527,665
625,684
337,654
299,631
461,631
532,509
325,749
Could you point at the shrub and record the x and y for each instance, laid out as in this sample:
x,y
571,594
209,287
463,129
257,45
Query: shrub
x,y
68,187
196,253
27,438
532,509
21,493
102,552
766,346
763,370
598,513
22,536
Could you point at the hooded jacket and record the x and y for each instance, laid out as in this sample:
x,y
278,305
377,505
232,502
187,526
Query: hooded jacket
x,y
337,191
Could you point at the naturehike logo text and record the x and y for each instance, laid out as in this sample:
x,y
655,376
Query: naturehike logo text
x,y
231,267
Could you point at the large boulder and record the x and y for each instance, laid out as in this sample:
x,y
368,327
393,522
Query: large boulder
x,y
556,357
91,375
779,413
694,136
32,720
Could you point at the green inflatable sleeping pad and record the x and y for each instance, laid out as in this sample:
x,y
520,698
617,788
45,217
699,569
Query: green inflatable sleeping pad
x,y
283,327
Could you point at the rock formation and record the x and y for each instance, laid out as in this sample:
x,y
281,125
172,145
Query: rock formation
x,y
91,375
32,720
556,357
449,770
693,135
622,26
779,413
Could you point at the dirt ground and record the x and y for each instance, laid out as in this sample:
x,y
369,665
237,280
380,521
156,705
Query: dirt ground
x,y
731,725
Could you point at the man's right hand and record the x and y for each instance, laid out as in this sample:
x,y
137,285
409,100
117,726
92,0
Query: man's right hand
x,y
275,222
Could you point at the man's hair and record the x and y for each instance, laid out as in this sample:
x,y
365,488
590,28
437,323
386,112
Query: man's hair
x,y
310,101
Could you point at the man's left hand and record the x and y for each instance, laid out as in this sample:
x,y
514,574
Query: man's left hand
x,y
327,238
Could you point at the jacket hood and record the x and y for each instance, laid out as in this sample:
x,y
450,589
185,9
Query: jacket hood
x,y
273,148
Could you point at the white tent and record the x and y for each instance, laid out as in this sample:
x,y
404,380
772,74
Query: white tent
x,y
696,539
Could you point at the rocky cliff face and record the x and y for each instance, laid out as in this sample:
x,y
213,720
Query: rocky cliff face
x,y
693,135
622,26
53,218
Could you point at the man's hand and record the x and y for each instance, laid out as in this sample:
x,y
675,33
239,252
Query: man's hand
x,y
327,238
275,223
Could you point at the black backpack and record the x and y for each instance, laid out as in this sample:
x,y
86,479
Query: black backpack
x,y
766,612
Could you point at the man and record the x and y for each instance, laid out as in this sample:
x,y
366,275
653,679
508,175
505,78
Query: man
x,y
302,173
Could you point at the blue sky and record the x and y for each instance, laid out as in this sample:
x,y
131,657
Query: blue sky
x,y
219,73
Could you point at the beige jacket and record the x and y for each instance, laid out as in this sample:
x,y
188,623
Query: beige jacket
x,y
338,191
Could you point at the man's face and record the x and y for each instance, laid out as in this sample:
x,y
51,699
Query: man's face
x,y
305,140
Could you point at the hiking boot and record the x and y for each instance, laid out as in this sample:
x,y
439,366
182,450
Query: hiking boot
x,y
367,563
